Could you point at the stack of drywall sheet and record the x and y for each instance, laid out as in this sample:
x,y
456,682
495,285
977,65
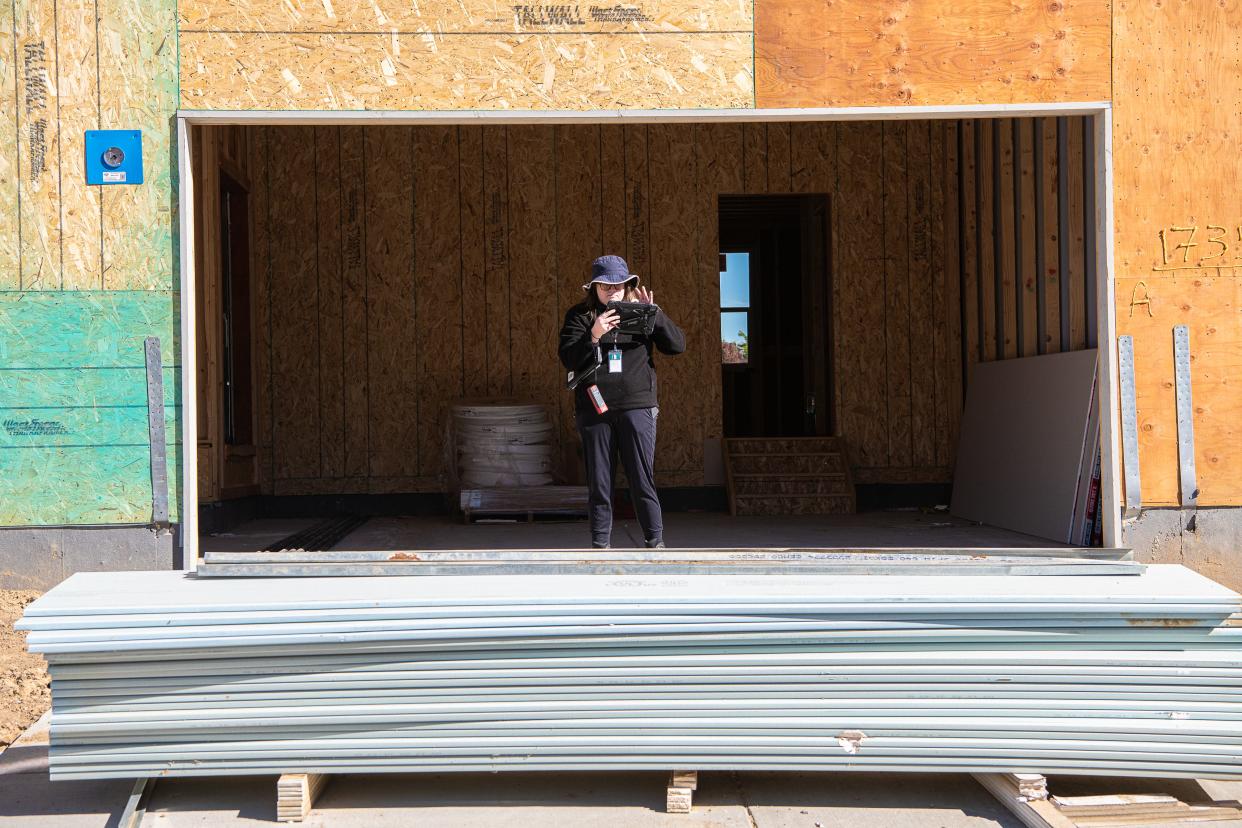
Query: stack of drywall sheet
x,y
161,673
1028,443
502,444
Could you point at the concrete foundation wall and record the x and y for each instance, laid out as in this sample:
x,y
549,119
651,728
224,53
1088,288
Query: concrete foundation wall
x,y
1208,541
41,557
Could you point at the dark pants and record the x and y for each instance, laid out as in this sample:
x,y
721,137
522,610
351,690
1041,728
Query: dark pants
x,y
633,434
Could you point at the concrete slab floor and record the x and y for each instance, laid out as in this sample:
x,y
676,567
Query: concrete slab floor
x,y
685,529
621,800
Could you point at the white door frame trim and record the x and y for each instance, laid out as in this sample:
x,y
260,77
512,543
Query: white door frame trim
x,y
1099,111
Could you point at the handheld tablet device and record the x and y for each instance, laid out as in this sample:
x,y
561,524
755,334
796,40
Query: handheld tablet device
x,y
636,318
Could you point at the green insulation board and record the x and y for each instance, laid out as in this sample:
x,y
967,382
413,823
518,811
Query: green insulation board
x,y
74,428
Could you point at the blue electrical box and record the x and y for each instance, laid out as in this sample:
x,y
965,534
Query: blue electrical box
x,y
113,156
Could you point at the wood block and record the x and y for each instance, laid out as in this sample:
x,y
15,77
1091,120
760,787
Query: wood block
x,y
684,779
296,794
1034,814
679,800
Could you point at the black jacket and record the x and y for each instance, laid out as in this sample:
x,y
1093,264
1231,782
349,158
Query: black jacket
x,y
635,386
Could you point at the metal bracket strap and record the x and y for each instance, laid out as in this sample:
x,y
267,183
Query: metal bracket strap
x,y
1129,428
1185,416
155,422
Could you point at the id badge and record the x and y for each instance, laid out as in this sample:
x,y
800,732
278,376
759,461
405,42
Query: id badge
x,y
614,361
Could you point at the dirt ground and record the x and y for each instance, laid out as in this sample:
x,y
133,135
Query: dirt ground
x,y
25,692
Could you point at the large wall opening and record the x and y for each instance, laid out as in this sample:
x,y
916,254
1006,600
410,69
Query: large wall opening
x,y
395,270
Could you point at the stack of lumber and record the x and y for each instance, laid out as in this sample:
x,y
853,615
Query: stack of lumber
x,y
161,673
788,476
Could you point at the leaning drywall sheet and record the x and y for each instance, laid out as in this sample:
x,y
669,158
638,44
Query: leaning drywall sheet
x,y
1020,451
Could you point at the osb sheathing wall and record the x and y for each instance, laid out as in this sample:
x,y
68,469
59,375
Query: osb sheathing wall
x,y
86,273
398,269
1176,126
444,54
658,54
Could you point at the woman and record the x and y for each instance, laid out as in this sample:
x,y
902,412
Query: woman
x,y
616,407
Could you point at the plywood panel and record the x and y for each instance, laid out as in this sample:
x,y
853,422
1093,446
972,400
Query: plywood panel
x,y
755,157
947,259
718,163
38,148
438,297
972,319
408,71
578,230
612,175
1174,141
926,296
897,292
1077,248
355,310
860,332
638,203
78,95
780,170
498,296
261,274
1025,183
536,318
296,369
329,271
1006,236
446,16
138,86
205,158
10,232
673,228
813,161
986,195
860,53
394,445
1051,323
473,208
1211,306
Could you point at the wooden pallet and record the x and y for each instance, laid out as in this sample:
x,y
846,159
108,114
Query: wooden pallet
x,y
528,503
788,476
1027,797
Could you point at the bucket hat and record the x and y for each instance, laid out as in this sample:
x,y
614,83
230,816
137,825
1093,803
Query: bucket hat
x,y
611,270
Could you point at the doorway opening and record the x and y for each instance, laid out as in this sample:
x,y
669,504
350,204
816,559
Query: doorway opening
x,y
775,316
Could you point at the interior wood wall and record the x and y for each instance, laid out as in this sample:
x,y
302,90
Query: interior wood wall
x,y
1027,267
398,269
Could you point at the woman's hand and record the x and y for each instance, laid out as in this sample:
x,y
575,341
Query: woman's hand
x,y
604,323
645,296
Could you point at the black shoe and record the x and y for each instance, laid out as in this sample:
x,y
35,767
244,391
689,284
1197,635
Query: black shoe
x,y
659,544
600,545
